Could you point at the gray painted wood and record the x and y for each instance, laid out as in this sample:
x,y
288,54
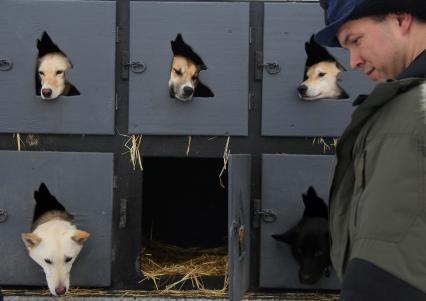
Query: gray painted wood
x,y
239,178
219,33
287,27
82,182
85,31
284,179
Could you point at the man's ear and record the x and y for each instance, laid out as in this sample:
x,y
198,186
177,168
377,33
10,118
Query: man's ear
x,y
404,21
30,240
80,236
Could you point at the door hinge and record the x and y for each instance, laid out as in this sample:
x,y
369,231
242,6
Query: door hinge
x,y
123,214
117,34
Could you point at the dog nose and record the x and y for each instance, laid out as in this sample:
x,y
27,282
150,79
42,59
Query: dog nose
x,y
60,290
187,91
302,89
46,92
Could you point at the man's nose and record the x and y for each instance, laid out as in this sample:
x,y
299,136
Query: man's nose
x,y
356,60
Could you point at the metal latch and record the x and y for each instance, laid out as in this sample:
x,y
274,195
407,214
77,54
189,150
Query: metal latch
x,y
270,67
3,215
5,64
266,215
136,67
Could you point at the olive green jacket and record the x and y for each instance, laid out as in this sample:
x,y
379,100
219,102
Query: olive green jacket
x,y
378,192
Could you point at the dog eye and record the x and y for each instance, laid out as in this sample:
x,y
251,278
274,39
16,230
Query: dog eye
x,y
195,77
48,261
178,72
59,72
41,73
68,259
321,74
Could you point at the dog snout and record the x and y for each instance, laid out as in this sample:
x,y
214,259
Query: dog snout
x,y
46,92
60,290
302,89
187,91
307,278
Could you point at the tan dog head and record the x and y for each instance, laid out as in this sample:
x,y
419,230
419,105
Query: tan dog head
x,y
186,67
183,78
51,71
54,245
321,82
320,76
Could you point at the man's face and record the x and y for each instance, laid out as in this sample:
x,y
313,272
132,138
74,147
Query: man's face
x,y
374,46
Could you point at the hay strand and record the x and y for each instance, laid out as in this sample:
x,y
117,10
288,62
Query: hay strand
x,y
226,154
132,145
189,145
185,265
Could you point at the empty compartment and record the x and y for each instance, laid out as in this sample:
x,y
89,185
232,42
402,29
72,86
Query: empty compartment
x,y
185,221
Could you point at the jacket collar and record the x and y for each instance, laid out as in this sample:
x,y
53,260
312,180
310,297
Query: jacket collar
x,y
417,68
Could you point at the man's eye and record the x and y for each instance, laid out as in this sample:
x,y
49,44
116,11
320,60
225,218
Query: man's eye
x,y
68,259
48,261
321,74
355,41
59,72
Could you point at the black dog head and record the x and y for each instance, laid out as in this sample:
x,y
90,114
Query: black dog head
x,y
309,239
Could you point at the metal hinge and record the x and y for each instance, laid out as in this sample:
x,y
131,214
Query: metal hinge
x,y
265,215
251,35
117,34
123,214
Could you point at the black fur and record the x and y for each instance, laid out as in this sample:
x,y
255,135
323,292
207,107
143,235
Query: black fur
x,y
46,202
179,47
46,45
316,53
309,239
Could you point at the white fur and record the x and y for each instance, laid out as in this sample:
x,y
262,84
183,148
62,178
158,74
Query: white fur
x,y
56,245
48,67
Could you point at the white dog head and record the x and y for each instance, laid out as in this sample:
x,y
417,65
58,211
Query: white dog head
x,y
54,245
51,72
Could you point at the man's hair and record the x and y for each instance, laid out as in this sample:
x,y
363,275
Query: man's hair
x,y
379,9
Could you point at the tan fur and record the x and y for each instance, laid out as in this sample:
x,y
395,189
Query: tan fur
x,y
322,86
51,71
184,73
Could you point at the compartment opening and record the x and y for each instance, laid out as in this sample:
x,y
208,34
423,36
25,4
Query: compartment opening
x,y
184,82
185,222
50,73
320,75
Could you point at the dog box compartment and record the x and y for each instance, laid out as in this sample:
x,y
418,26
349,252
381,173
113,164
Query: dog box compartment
x,y
284,179
82,182
286,29
185,209
220,38
85,31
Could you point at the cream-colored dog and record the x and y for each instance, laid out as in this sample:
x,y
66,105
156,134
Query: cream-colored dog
x,y
51,71
54,242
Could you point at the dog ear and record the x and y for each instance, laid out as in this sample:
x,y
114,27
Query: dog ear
x,y
30,240
288,237
202,91
80,236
